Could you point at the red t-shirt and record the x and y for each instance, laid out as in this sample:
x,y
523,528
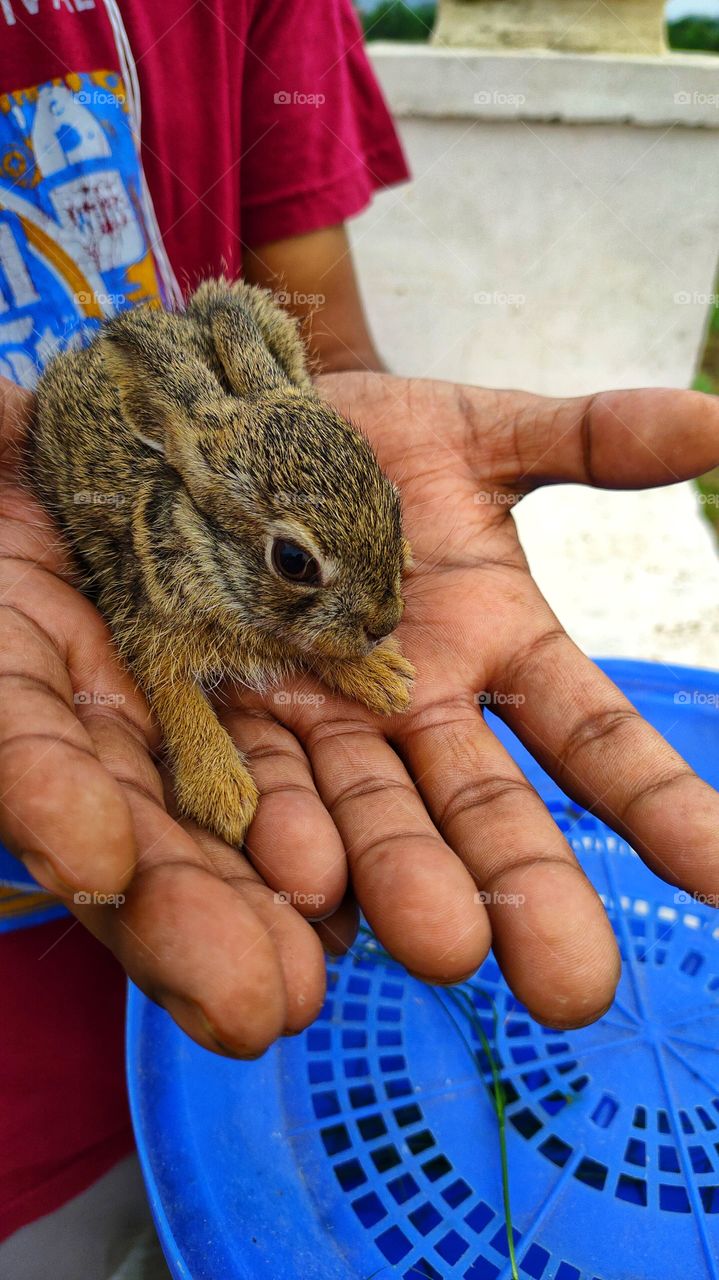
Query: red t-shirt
x,y
259,119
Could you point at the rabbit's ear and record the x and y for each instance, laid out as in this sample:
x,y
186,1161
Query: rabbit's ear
x,y
163,387
246,361
172,400
257,343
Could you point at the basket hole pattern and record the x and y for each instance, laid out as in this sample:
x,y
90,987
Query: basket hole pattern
x,y
657,934
426,1220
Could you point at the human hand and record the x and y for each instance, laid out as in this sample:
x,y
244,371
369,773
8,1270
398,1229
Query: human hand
x,y
429,806
199,929
81,800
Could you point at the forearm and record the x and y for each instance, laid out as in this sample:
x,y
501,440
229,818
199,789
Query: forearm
x,y
313,276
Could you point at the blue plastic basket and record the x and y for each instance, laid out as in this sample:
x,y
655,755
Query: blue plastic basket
x,y
368,1148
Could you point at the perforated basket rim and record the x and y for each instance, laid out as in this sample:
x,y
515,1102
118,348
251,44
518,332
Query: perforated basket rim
x,y
627,674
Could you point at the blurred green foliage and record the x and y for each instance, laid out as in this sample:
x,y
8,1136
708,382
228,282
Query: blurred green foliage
x,y
697,33
414,19
396,20
707,380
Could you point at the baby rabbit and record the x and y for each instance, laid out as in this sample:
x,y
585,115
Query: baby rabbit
x,y
225,520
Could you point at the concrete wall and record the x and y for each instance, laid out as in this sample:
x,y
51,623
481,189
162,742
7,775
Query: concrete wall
x,y
561,234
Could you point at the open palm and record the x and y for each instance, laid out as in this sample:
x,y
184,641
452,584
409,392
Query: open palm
x,y
429,806
424,809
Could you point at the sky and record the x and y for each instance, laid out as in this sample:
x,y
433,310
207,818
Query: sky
x,y
695,8
675,8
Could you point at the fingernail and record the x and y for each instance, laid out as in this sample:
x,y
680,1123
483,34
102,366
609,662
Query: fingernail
x,y
42,870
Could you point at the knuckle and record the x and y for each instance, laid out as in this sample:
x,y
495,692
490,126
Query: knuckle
x,y
376,846
451,715
586,434
26,682
32,753
525,864
270,752
481,794
16,626
522,667
594,728
364,787
145,788
96,718
647,790
335,731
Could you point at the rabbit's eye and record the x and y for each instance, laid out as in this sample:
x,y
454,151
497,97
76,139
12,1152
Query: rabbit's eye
x,y
294,563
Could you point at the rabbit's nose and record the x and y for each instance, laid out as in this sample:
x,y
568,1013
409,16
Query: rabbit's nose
x,y
383,622
379,631
375,637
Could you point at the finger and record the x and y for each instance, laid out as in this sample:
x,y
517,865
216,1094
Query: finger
x,y
15,410
298,948
29,534
192,944
59,808
292,842
164,844
234,969
615,439
549,930
414,891
27,531
590,738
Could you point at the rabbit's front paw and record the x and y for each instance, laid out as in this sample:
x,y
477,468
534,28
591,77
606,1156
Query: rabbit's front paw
x,y
382,680
222,799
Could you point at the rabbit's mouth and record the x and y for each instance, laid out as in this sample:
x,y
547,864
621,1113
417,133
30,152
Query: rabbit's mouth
x,y
359,645
351,636
373,639
340,648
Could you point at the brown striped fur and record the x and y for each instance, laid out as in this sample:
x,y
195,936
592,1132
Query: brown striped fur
x,y
171,450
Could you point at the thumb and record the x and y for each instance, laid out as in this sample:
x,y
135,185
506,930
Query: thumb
x,y
612,440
